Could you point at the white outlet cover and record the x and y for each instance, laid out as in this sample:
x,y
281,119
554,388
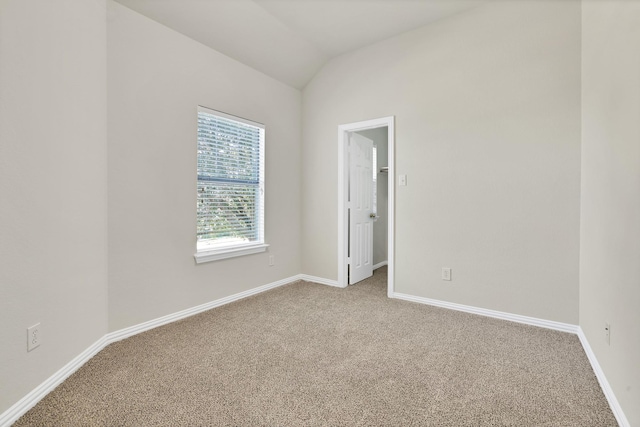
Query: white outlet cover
x,y
34,336
446,273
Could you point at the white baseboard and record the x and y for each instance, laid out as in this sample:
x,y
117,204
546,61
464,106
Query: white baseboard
x,y
18,409
141,327
380,264
534,321
320,280
12,414
604,384
558,326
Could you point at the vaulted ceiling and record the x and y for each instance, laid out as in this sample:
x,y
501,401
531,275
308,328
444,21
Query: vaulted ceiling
x,y
290,40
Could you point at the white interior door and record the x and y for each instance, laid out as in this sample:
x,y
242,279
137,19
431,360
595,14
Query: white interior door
x,y
360,205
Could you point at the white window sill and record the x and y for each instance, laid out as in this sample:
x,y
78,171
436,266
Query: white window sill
x,y
208,255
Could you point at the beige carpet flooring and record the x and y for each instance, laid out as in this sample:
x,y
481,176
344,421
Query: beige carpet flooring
x,y
311,355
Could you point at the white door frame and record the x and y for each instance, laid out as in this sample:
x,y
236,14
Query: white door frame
x,y
343,182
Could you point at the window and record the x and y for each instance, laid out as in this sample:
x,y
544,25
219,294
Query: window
x,y
230,205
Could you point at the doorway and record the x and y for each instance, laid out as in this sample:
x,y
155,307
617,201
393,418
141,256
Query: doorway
x,y
356,217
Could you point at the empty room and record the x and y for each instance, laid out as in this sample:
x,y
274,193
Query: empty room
x,y
319,213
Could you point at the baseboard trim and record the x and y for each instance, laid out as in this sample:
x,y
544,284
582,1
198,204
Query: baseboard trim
x,y
321,280
18,409
151,324
380,264
533,321
602,379
12,414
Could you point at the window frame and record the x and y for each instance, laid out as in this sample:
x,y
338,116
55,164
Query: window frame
x,y
207,251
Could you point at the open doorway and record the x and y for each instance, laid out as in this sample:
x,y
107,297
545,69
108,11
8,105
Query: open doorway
x,y
366,200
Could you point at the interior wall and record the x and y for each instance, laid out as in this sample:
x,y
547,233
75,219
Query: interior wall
x,y
53,186
157,78
380,137
610,202
487,107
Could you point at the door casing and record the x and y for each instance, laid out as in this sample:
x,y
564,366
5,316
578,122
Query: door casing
x,y
343,182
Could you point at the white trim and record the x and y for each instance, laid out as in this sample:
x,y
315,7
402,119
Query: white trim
x,y
602,379
343,130
533,321
18,409
548,324
217,254
391,223
380,264
320,280
151,324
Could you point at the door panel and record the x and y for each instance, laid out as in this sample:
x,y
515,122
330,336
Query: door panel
x,y
360,205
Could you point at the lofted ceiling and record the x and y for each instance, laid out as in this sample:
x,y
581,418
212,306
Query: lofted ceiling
x,y
290,40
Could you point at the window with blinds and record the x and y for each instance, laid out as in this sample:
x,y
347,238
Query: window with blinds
x,y
230,205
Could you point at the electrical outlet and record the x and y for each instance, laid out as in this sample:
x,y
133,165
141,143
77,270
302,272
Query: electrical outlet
x,y
607,333
34,336
402,180
446,273
272,260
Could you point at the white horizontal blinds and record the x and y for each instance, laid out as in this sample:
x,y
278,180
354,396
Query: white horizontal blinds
x,y
230,179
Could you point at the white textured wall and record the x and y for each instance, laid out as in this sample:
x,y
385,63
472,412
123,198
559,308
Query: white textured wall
x,y
487,107
610,209
53,186
156,80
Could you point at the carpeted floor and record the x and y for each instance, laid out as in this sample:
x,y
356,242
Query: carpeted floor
x,y
311,355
